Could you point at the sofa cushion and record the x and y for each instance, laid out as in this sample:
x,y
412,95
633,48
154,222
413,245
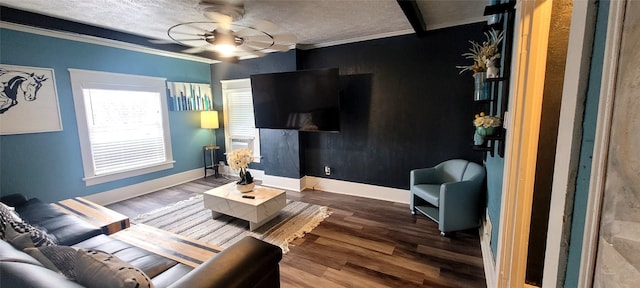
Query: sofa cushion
x,y
101,269
152,264
428,192
61,259
67,229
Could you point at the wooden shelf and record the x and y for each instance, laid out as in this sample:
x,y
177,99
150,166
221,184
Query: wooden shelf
x,y
498,97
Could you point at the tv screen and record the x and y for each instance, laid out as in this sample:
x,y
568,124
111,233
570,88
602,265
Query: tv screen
x,y
305,100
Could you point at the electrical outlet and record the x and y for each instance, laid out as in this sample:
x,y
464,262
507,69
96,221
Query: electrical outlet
x,y
327,170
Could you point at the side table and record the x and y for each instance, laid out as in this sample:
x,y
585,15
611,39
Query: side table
x,y
213,166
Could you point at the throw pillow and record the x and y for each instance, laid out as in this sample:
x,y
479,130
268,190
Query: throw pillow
x,y
23,235
61,259
12,212
7,215
100,269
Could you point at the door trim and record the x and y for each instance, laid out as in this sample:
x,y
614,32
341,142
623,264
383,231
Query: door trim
x,y
601,143
531,39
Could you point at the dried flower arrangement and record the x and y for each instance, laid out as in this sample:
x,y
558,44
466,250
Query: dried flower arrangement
x,y
483,54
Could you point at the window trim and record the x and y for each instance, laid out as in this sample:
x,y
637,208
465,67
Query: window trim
x,y
235,86
83,79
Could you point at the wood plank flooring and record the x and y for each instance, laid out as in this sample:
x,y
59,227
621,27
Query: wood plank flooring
x,y
364,243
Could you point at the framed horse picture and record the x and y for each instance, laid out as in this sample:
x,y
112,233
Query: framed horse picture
x,y
28,100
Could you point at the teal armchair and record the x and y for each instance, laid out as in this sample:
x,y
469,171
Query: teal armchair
x,y
449,194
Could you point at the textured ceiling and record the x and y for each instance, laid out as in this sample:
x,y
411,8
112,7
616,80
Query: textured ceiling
x,y
316,23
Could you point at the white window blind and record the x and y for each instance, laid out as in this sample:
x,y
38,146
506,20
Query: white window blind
x,y
241,121
125,129
123,124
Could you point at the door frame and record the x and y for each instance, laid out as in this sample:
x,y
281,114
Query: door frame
x,y
533,18
601,144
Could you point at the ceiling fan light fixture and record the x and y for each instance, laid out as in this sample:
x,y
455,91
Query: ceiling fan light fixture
x,y
225,50
224,43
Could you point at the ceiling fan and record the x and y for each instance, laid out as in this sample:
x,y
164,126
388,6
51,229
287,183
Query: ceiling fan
x,y
224,38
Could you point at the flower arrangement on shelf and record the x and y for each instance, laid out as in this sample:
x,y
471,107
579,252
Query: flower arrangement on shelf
x,y
483,55
485,126
239,159
486,121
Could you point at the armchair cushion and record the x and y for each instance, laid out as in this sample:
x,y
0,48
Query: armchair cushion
x,y
428,192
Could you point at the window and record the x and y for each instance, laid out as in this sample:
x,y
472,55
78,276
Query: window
x,y
240,130
122,124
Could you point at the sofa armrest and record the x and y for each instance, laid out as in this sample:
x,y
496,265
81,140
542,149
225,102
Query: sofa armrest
x,y
248,263
14,200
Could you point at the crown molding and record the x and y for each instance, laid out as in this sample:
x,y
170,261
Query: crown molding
x,y
390,34
102,42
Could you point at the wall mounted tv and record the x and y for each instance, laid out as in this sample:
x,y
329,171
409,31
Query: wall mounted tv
x,y
305,100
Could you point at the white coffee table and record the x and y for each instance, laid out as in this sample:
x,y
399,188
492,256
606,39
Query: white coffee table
x,y
227,200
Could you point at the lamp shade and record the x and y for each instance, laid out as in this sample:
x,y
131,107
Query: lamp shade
x,y
209,119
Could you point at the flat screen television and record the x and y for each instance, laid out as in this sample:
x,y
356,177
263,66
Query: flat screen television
x,y
305,100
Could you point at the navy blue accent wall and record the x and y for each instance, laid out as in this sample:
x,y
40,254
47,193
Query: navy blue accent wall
x,y
404,106
278,159
49,165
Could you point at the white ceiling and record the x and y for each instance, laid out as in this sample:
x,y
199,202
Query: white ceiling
x,y
316,23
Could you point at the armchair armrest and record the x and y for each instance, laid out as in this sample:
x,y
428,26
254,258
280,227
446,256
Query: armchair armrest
x,y
248,263
459,205
424,176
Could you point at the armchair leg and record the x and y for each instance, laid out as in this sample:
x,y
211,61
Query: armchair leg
x,y
448,234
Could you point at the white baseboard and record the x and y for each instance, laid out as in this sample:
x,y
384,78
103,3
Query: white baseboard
x,y
487,254
123,193
291,184
358,189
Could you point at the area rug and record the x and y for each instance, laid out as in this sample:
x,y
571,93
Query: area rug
x,y
190,218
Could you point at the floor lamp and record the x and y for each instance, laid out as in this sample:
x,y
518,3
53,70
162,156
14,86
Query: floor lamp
x,y
209,120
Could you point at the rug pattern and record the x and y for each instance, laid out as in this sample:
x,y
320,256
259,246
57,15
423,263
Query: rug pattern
x,y
190,218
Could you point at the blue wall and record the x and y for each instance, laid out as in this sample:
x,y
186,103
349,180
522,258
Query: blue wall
x,y
49,165
586,148
495,168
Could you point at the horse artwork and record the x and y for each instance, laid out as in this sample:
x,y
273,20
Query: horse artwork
x,y
18,84
28,100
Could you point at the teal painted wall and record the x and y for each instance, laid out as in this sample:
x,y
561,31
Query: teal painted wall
x,y
49,165
495,168
586,148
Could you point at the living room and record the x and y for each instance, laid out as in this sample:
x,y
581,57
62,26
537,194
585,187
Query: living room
x,y
404,99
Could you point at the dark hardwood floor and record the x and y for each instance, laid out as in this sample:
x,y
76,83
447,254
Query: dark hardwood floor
x,y
364,243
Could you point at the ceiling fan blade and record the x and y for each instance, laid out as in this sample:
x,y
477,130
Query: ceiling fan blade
x,y
257,45
266,26
185,33
281,48
259,38
251,51
285,39
224,21
199,28
194,50
244,32
161,41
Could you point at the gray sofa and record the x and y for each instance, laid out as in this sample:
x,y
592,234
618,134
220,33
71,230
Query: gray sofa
x,y
449,193
248,263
